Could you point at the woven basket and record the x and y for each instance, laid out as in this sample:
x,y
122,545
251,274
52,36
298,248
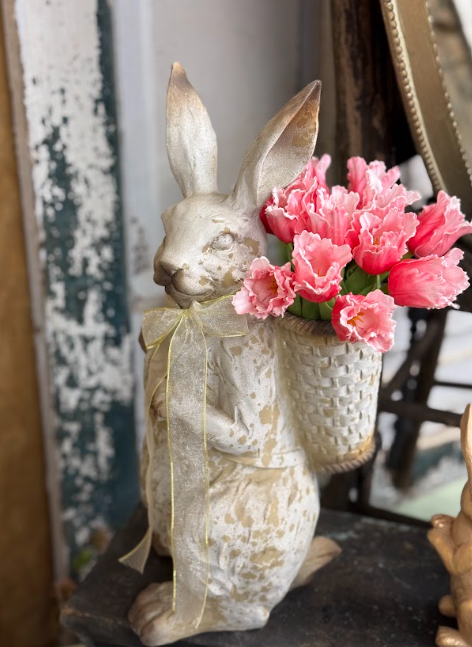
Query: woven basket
x,y
333,388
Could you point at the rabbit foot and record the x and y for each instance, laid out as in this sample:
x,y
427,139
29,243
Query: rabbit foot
x,y
447,606
447,637
152,618
320,553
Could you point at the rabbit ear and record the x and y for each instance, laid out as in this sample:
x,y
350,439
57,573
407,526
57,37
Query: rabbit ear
x,y
191,140
466,440
281,150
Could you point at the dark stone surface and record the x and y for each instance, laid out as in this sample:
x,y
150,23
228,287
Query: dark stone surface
x,y
382,591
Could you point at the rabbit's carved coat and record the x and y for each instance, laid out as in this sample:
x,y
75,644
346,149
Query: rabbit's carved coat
x,y
263,499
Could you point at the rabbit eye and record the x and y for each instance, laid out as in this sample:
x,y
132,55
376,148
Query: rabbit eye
x,y
224,241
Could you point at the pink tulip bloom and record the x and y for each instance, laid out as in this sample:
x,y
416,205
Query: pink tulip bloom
x,y
379,238
315,172
361,175
287,215
440,225
318,263
365,318
395,197
428,282
377,186
267,290
333,215
284,213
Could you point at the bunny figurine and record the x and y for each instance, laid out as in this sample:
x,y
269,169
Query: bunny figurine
x,y
263,502
452,538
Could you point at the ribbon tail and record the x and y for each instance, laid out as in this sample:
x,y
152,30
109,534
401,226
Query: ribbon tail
x,y
207,486
156,373
189,469
183,359
137,557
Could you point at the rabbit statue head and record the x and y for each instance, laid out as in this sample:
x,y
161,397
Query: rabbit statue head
x,y
211,238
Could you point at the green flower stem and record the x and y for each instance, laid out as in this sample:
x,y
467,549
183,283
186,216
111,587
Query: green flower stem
x,y
326,309
349,269
358,281
288,250
296,307
310,310
379,281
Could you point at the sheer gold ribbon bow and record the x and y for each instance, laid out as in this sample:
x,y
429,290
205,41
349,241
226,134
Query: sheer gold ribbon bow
x,y
176,340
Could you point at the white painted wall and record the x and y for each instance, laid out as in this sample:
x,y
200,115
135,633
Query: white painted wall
x,y
464,9
243,58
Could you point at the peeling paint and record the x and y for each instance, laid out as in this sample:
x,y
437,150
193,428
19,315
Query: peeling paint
x,y
69,98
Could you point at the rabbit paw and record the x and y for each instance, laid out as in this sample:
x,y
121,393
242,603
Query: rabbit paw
x,y
447,637
152,618
321,552
442,522
447,606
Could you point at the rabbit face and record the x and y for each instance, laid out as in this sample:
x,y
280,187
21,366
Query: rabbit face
x,y
209,245
211,239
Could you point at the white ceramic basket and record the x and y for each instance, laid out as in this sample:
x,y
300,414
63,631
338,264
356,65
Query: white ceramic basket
x,y
333,388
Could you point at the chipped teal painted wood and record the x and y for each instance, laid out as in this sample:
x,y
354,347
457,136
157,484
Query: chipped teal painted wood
x,y
66,52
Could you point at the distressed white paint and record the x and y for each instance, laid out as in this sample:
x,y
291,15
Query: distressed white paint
x,y
59,45
242,55
62,77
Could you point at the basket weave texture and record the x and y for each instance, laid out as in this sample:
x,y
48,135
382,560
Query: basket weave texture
x,y
333,389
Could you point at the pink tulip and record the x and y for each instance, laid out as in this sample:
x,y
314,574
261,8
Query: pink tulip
x,y
428,282
287,215
315,170
379,238
440,225
285,212
376,186
333,214
267,290
375,175
395,197
365,318
318,264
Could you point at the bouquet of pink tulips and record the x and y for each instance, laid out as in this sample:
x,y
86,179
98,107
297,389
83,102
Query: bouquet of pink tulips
x,y
356,253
